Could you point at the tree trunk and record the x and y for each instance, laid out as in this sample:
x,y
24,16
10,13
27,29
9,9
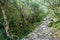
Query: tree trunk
x,y
6,25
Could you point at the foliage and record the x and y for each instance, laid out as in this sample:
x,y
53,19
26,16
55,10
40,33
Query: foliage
x,y
22,18
55,14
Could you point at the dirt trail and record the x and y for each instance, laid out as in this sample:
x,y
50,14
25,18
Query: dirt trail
x,y
42,32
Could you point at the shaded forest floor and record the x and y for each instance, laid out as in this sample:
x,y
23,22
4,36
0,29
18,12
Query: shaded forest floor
x,y
43,32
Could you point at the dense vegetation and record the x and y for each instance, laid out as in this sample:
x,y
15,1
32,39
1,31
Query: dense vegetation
x,y
21,17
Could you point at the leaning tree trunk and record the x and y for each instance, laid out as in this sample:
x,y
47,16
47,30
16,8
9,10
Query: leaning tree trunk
x,y
6,25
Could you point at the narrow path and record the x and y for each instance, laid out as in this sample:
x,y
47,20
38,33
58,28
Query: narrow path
x,y
42,32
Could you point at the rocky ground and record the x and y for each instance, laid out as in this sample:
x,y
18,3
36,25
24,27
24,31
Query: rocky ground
x,y
43,32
